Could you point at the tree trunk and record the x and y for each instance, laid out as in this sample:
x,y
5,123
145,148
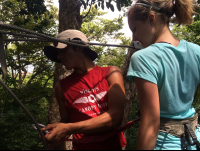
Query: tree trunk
x,y
130,89
69,18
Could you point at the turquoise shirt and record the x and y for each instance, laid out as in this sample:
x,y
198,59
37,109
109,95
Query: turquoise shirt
x,y
176,72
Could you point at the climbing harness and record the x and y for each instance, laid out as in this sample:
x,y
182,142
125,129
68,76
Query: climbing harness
x,y
184,129
38,37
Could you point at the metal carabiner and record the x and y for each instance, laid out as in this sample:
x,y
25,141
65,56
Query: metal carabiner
x,y
41,126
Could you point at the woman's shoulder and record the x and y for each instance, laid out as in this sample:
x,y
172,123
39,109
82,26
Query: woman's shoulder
x,y
151,52
192,46
190,43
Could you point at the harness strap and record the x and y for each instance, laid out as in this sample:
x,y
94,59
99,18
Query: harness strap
x,y
191,133
198,145
177,127
194,137
184,129
183,144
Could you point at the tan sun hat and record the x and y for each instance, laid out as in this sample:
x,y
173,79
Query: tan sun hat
x,y
51,50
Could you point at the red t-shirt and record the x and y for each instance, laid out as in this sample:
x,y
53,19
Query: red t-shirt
x,y
85,98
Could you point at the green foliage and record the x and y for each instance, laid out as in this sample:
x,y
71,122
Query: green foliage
x,y
16,127
132,133
104,30
33,89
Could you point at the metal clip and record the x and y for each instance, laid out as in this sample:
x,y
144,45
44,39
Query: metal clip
x,y
192,134
41,126
137,45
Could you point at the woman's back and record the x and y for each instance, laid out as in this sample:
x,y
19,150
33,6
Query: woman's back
x,y
179,78
175,70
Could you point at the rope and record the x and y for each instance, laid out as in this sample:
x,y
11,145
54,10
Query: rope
x,y
27,112
73,41
31,40
19,34
2,25
52,39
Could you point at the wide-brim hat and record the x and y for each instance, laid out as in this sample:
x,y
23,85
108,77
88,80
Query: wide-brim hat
x,y
51,51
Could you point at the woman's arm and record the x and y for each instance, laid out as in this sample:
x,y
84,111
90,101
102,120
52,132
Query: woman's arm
x,y
150,114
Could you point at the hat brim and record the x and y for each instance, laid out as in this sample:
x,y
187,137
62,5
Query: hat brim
x,y
52,53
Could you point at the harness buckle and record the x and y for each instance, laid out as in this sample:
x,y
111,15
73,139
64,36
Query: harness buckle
x,y
192,134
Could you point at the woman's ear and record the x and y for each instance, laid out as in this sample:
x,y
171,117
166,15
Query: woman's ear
x,y
152,19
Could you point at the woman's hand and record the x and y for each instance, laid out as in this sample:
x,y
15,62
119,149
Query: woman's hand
x,y
58,132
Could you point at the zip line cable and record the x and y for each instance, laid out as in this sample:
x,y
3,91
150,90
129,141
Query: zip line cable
x,y
41,37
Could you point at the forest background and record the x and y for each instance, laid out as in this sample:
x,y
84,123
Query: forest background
x,y
34,89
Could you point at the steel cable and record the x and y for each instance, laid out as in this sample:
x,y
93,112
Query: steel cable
x,y
42,37
12,27
19,34
31,40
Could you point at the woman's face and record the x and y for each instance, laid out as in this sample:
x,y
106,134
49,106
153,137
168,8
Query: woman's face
x,y
143,31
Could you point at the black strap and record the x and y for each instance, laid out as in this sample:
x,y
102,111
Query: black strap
x,y
194,137
183,144
198,145
192,134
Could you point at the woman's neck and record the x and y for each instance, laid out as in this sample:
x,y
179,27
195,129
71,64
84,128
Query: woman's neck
x,y
167,36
